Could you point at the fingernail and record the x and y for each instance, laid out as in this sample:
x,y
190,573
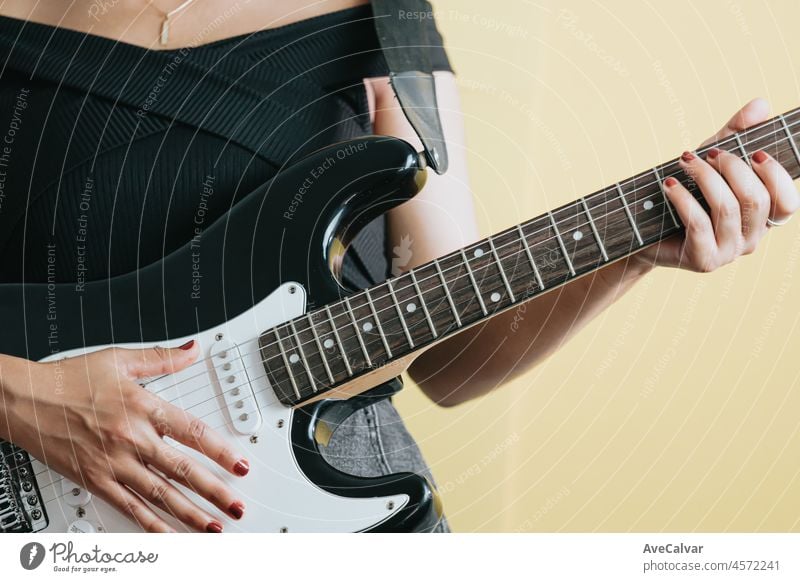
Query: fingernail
x,y
670,182
214,527
759,157
241,468
687,156
712,153
236,510
187,346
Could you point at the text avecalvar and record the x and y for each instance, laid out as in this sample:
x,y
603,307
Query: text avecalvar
x,y
672,549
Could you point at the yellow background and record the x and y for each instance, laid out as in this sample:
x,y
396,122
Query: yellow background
x,y
677,409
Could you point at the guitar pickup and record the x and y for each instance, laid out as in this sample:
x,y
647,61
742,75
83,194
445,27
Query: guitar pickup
x,y
235,386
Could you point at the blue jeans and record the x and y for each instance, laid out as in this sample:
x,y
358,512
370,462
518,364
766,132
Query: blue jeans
x,y
374,441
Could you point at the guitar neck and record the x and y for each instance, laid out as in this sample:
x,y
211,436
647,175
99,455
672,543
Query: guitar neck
x,y
311,355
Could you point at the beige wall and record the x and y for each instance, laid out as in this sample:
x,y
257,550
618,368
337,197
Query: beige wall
x,y
678,408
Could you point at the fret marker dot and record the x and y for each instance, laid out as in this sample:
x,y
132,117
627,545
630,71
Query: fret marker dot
x,y
495,297
328,343
648,204
478,253
294,358
577,235
367,327
411,307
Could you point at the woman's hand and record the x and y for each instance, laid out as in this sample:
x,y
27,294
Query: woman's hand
x,y
740,199
88,419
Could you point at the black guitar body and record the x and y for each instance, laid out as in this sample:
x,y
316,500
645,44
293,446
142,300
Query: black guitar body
x,y
293,228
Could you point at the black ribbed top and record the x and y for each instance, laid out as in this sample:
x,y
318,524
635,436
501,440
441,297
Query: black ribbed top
x,y
110,153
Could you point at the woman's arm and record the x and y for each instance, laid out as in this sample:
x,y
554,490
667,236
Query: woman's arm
x,y
441,219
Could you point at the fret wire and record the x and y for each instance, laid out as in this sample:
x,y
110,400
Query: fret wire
x,y
741,149
303,356
322,353
528,252
667,203
422,303
594,230
358,335
501,270
561,243
339,341
628,212
378,324
791,138
400,313
286,364
474,283
447,292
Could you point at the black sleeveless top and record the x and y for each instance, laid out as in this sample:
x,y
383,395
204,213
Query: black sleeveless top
x,y
109,150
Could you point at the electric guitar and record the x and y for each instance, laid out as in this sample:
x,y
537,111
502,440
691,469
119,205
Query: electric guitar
x,y
288,352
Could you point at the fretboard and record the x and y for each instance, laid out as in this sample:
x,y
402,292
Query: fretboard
x,y
328,347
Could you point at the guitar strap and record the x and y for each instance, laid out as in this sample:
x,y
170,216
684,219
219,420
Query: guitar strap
x,y
403,36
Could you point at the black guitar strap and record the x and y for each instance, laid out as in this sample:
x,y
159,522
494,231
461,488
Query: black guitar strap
x,y
403,36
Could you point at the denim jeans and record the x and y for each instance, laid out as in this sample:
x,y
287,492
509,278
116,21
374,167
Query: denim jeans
x,y
374,442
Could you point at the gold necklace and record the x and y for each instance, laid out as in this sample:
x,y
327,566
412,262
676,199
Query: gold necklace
x,y
164,38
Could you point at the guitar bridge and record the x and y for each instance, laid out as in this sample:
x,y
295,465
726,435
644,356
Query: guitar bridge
x,y
21,507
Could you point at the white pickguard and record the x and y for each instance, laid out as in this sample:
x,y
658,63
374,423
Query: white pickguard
x,y
277,496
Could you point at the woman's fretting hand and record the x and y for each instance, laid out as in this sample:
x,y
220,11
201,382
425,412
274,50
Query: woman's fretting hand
x,y
741,198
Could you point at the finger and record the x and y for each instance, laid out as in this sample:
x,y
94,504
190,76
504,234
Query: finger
x,y
129,504
754,112
751,194
667,252
783,194
723,205
156,361
194,476
161,493
699,248
188,430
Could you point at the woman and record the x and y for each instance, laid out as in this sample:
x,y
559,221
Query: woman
x,y
143,176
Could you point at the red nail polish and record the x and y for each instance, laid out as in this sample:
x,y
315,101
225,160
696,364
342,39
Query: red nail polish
x,y
241,468
687,156
236,510
187,346
214,527
759,157
712,153
670,182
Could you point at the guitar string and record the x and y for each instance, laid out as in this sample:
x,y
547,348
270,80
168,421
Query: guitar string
x,y
312,369
218,410
357,295
587,199
361,294
467,301
371,343
256,392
